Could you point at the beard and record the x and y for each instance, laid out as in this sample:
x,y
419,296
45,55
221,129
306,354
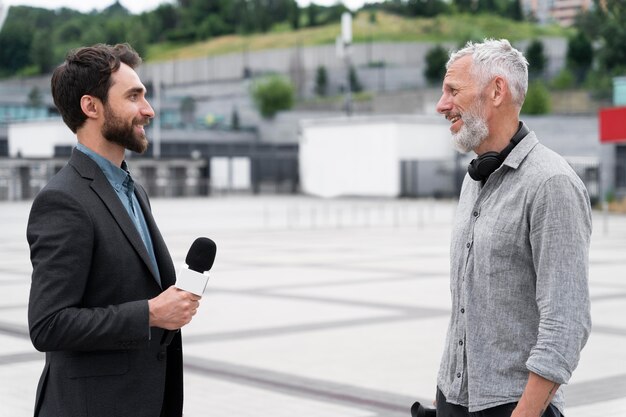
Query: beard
x,y
117,130
474,130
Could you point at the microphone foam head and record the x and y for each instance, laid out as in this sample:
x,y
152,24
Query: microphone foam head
x,y
201,254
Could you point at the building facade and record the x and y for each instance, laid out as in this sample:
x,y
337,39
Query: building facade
x,y
563,12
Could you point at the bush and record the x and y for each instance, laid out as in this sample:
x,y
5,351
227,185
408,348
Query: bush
x,y
536,59
537,99
355,84
600,82
579,55
436,59
564,80
321,81
271,95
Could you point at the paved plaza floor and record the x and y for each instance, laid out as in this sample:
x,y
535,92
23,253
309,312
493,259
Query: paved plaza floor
x,y
321,308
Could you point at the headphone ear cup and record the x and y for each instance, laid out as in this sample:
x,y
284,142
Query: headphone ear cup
x,y
482,167
472,171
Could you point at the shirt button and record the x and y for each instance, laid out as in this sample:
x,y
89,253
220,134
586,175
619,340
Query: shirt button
x,y
161,356
458,375
467,245
460,343
462,311
475,214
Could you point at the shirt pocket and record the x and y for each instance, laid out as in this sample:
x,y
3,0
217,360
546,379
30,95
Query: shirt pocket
x,y
502,250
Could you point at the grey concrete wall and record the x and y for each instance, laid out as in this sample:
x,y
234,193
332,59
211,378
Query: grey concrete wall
x,y
407,58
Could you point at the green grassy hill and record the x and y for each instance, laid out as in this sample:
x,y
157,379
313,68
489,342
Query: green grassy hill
x,y
387,28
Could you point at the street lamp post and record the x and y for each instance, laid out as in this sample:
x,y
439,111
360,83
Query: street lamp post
x,y
4,11
343,51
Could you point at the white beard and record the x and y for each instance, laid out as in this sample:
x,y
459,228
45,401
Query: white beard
x,y
473,132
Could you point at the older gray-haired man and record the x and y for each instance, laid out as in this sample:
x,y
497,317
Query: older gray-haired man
x,y
519,250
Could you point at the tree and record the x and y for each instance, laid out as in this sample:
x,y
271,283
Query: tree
x,y
294,16
24,49
137,36
537,99
536,59
312,14
34,97
332,13
234,119
212,26
14,48
613,34
436,59
514,10
40,52
188,110
272,95
372,17
579,55
564,80
464,6
488,6
426,8
353,78
605,25
160,21
92,35
321,81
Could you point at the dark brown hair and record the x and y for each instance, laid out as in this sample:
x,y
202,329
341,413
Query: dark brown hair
x,y
88,71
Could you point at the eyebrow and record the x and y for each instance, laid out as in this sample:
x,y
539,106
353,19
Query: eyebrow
x,y
135,90
447,85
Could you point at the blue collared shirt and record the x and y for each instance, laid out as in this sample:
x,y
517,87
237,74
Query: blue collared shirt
x,y
124,187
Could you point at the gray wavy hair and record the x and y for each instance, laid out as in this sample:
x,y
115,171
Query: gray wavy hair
x,y
492,58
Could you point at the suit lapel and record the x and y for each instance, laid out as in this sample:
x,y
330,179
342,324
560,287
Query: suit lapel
x,y
166,267
88,169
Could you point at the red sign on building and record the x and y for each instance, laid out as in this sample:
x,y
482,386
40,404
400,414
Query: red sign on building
x,y
612,124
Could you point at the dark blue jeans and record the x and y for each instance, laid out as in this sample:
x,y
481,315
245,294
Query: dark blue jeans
x,y
445,409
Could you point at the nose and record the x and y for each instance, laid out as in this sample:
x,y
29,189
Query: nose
x,y
444,104
147,110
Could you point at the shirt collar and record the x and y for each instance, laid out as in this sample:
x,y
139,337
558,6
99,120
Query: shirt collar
x,y
519,153
118,177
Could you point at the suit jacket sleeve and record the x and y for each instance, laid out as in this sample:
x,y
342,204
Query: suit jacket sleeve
x,y
61,237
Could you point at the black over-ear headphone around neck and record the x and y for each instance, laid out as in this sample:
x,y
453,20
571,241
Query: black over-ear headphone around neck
x,y
484,165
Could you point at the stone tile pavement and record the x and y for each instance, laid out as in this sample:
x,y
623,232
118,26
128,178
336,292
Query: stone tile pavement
x,y
320,308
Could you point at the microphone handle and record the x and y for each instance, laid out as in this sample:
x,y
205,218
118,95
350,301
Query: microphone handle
x,y
168,336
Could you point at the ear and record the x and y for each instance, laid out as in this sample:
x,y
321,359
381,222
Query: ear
x,y
499,91
90,105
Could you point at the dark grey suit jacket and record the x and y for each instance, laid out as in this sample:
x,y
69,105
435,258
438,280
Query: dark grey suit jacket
x,y
88,308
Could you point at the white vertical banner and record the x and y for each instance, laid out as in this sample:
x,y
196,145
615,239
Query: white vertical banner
x,y
241,173
346,28
220,173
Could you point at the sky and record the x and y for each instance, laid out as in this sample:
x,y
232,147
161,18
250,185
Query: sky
x,y
138,6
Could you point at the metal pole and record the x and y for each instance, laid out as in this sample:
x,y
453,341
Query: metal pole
x,y
348,86
156,154
4,12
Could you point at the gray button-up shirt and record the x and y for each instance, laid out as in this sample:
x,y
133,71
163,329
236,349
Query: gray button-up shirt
x,y
518,277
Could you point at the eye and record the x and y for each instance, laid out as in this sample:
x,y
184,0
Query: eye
x,y
133,97
454,92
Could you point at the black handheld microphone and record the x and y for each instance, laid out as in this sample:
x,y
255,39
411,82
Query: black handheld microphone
x,y
199,259
417,410
191,278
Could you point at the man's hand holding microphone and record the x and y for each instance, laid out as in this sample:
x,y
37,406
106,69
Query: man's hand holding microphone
x,y
176,306
173,308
